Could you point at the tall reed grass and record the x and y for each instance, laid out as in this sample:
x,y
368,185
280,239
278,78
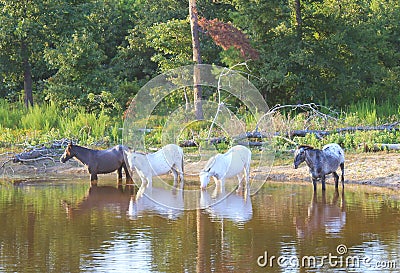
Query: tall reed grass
x,y
369,112
47,122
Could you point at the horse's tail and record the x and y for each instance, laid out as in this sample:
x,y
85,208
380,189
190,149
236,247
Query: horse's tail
x,y
182,155
183,168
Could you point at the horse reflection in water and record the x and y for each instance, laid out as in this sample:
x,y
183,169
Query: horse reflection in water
x,y
235,206
167,203
102,198
323,216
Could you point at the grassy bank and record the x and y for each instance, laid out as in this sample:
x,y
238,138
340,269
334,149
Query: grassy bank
x,y
45,123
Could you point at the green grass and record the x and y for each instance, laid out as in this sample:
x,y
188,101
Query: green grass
x,y
369,112
46,123
365,113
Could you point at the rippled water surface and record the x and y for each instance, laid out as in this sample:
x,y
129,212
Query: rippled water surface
x,y
66,226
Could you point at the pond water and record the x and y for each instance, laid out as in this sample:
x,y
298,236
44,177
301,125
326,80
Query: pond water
x,y
66,226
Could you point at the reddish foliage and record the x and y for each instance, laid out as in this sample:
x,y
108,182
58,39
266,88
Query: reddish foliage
x,y
226,35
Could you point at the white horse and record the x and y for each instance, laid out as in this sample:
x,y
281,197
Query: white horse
x,y
229,164
169,158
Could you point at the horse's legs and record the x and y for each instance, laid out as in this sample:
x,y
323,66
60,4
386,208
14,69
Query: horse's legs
x,y
119,171
342,178
247,175
314,181
219,187
336,177
181,176
93,179
240,187
127,174
175,174
323,182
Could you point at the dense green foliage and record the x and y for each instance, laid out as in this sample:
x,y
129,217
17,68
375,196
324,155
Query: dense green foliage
x,y
90,51
92,56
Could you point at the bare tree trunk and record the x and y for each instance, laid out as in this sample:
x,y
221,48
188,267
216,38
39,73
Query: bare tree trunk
x,y
299,21
28,97
194,27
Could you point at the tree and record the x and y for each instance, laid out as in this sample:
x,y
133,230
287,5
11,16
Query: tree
x,y
27,29
21,39
194,28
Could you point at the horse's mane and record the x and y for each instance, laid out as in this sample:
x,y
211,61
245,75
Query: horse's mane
x,y
141,153
210,162
305,147
80,147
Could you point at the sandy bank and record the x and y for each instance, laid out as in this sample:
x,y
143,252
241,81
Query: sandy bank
x,y
377,169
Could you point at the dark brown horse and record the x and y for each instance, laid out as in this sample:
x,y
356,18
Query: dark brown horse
x,y
98,161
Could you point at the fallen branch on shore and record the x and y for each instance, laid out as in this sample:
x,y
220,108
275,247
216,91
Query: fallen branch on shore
x,y
256,138
42,153
38,153
322,133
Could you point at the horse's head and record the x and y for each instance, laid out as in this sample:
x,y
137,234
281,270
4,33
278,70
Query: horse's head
x,y
300,155
204,179
68,153
207,172
130,158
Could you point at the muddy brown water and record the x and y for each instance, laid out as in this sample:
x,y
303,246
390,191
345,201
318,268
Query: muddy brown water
x,y
65,226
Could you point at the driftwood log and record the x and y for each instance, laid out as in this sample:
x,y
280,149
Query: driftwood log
x,y
255,138
41,153
322,133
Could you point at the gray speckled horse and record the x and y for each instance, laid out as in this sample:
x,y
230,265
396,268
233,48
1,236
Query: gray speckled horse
x,y
321,162
98,161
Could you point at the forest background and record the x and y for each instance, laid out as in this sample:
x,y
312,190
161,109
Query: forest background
x,y
69,68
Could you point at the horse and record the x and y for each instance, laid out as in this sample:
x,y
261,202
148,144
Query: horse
x,y
229,164
321,162
98,161
167,159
